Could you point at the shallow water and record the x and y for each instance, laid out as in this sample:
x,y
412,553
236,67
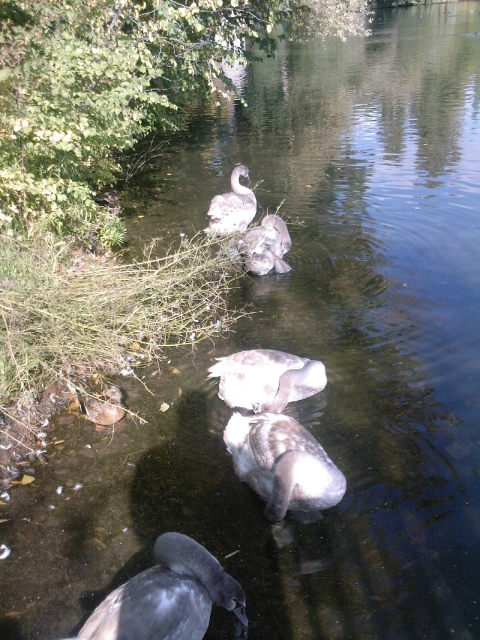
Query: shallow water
x,y
373,147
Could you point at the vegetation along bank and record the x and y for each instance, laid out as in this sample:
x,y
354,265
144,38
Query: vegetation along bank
x,y
81,83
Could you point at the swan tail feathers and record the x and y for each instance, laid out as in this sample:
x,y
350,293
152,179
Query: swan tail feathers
x,y
216,370
236,431
281,266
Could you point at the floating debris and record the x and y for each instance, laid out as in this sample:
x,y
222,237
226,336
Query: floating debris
x,y
106,411
4,551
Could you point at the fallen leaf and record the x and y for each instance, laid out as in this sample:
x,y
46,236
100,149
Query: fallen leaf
x,y
164,407
27,479
179,392
2,502
140,216
308,186
154,373
100,543
4,520
16,614
58,442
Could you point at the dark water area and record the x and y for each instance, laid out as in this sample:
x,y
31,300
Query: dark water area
x,y
373,148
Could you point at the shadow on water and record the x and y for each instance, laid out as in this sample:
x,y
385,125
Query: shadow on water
x,y
187,484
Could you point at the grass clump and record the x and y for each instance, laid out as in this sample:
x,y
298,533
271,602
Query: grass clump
x,y
62,312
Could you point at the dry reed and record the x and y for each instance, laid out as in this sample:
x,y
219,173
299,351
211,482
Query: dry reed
x,y
104,315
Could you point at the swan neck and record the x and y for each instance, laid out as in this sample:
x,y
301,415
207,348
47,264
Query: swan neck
x,y
237,187
184,555
283,485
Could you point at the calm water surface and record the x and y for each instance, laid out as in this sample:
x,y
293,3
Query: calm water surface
x,y
373,147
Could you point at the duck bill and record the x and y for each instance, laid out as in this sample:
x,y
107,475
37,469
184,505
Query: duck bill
x,y
240,613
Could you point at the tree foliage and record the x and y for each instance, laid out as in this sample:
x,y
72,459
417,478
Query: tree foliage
x,y
83,80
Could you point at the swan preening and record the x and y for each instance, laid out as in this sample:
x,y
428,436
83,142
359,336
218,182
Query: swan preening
x,y
262,248
171,601
233,211
267,380
283,463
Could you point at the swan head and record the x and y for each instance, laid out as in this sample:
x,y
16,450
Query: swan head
x,y
183,555
230,595
240,170
308,380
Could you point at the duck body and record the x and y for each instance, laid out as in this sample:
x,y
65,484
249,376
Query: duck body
x,y
104,412
171,601
233,211
283,463
262,248
266,379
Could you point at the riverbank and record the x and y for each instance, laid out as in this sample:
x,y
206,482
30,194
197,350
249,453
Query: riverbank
x,y
71,317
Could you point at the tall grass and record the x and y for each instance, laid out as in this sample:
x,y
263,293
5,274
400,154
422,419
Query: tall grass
x,y
60,315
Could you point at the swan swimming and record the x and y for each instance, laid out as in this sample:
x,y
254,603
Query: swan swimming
x,y
262,248
171,601
233,211
283,463
267,380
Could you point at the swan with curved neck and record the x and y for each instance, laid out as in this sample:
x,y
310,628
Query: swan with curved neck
x,y
262,248
267,380
283,463
171,601
233,211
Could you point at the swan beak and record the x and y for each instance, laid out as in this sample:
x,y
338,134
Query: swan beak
x,y
239,611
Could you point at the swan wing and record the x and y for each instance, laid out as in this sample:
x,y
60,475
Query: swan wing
x,y
271,435
155,605
224,205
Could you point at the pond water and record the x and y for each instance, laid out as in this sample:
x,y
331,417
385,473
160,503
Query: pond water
x,y
373,148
